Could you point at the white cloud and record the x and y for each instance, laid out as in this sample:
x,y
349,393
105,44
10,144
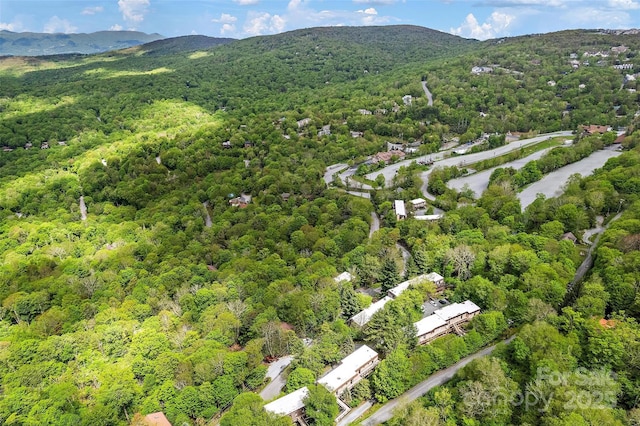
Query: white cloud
x,y
225,18
591,17
375,2
524,3
116,27
624,4
246,2
15,26
58,25
259,23
133,11
227,29
92,10
496,25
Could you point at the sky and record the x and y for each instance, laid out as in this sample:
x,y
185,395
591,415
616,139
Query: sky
x,y
478,19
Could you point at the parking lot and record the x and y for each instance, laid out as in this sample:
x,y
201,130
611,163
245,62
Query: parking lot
x,y
432,305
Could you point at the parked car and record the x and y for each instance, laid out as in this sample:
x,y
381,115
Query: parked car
x,y
444,301
433,302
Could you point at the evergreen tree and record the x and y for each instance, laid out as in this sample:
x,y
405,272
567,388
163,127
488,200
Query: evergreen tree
x,y
349,301
389,274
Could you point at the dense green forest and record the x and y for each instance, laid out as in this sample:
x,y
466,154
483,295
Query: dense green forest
x,y
163,296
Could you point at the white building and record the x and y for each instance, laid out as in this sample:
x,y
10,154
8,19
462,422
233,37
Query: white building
x,y
429,217
400,288
435,278
444,320
345,276
353,368
430,327
401,211
364,316
419,203
291,405
457,313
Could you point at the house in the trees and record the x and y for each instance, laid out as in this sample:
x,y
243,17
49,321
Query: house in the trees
x,y
407,99
387,156
353,368
226,144
364,316
458,313
437,279
595,129
325,131
400,288
401,211
345,276
418,203
291,405
156,419
304,122
445,320
569,236
430,327
241,201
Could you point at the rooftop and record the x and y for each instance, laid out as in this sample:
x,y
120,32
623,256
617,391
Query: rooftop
x,y
289,403
345,276
428,324
397,290
434,277
156,419
457,309
398,206
348,367
363,317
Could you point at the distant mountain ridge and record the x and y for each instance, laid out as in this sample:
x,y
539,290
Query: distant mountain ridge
x,y
40,44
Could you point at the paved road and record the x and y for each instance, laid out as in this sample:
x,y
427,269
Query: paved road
x,y
207,219
428,93
274,372
552,184
478,182
405,257
386,411
355,414
83,208
440,160
331,170
587,263
375,224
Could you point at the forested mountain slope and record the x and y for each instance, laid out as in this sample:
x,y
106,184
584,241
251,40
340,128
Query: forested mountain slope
x,y
38,44
168,292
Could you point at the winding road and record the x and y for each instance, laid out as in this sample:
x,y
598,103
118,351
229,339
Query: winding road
x,y
428,93
385,412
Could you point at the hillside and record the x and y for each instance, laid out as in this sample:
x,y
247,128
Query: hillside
x,y
39,44
165,227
